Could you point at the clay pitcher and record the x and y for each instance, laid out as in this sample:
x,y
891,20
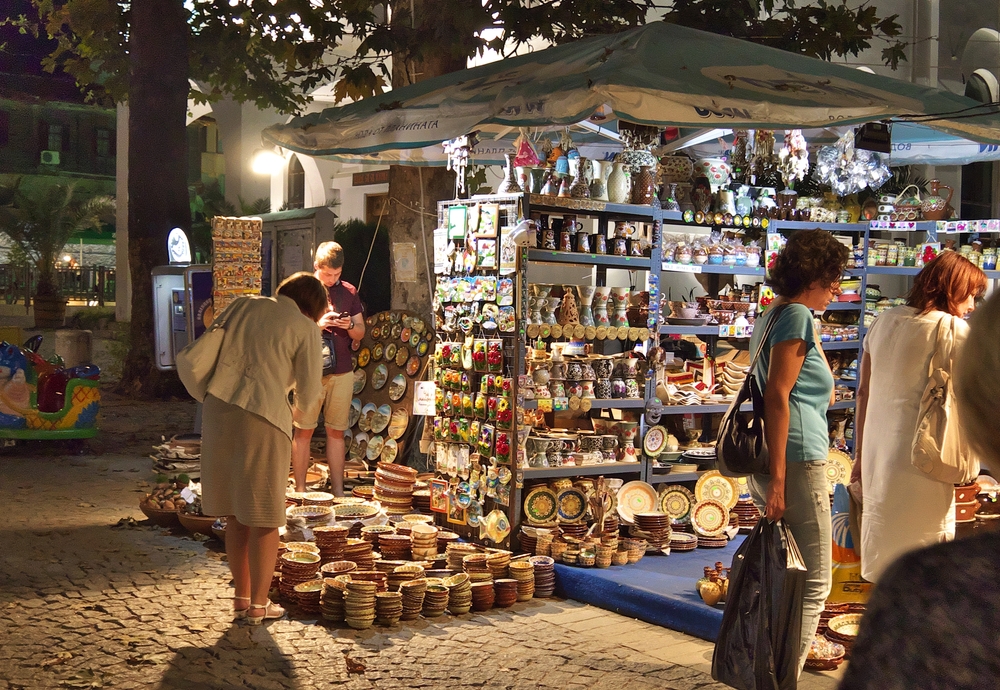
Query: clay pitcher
x,y
934,206
619,184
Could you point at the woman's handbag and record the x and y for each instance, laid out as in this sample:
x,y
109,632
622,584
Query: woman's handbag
x,y
940,449
196,362
741,448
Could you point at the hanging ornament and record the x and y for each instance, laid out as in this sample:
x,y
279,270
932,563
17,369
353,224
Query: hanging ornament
x,y
848,170
738,160
793,159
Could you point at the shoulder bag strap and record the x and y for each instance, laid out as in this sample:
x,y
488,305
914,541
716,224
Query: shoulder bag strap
x,y
766,334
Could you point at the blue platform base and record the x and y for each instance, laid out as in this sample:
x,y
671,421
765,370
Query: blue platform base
x,y
657,589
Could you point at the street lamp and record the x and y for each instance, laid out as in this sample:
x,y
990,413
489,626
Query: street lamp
x,y
266,161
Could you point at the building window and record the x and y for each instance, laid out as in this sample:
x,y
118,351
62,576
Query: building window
x,y
376,208
4,127
53,137
103,143
296,184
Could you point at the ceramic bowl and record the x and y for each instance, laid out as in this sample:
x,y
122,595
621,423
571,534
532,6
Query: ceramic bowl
x,y
201,524
159,516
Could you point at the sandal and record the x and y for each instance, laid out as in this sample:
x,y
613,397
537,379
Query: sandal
x,y
239,613
270,609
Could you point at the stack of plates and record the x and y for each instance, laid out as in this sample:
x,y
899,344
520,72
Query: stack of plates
x,y
376,577
709,518
435,600
365,492
682,541
351,512
296,567
528,539
424,541
388,607
331,601
545,575
655,528
456,552
483,596
331,540
416,518
372,532
413,598
335,568
313,515
317,498
307,594
359,604
359,551
682,467
395,547
747,512
459,593
505,593
524,572
404,527
306,546
712,542
422,500
444,537
384,566
611,525
497,563
575,529
394,487
404,573
475,565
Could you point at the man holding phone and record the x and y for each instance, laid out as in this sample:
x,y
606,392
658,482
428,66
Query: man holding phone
x,y
344,322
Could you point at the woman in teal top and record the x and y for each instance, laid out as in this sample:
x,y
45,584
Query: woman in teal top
x,y
798,390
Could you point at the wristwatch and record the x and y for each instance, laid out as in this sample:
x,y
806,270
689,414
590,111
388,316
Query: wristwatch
x,y
351,326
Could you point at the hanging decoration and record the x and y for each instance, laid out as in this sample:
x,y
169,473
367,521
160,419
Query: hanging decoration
x,y
458,151
763,165
848,170
738,160
793,159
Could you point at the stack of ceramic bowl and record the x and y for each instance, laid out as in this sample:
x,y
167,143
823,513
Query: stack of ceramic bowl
x,y
528,539
477,568
296,567
379,579
295,497
483,596
966,503
620,556
349,513
497,563
445,537
418,519
331,601
384,566
388,608
747,512
313,515
603,553
424,542
682,541
435,600
610,526
394,487
422,500
843,629
395,547
655,528
413,598
459,593
307,595
359,551
456,552
317,498
404,573
636,549
371,533
505,593
712,542
306,546
524,572
335,568
349,500
731,379
576,530
365,492
359,604
331,540
545,575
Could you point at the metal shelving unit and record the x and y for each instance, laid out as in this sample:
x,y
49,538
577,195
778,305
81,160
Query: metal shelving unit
x,y
608,468
601,404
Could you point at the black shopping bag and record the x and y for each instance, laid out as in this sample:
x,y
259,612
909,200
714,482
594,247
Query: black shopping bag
x,y
758,645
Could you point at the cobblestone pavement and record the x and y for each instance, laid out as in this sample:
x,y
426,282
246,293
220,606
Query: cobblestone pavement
x,y
85,603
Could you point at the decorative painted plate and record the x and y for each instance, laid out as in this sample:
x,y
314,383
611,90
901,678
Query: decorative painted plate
x,y
364,356
700,453
709,518
380,376
712,485
571,505
422,348
374,447
376,333
355,413
396,330
383,317
414,339
402,355
397,388
405,334
540,505
390,352
389,450
355,345
419,325
367,417
360,379
398,421
635,497
394,317
838,468
377,351
370,320
354,362
358,447
654,441
381,419
412,366
676,501
348,438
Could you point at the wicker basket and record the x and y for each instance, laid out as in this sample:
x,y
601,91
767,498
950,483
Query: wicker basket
x,y
159,516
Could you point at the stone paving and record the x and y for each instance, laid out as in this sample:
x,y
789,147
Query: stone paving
x,y
88,603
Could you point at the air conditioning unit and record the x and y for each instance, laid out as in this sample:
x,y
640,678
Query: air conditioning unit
x,y
50,158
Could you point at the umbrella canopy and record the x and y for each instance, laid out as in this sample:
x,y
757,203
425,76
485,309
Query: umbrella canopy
x,y
656,74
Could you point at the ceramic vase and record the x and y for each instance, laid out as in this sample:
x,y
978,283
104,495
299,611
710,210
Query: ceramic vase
x,y
509,185
549,311
578,189
669,197
619,184
643,186
538,179
598,186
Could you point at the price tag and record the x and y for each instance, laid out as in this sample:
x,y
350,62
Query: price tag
x,y
681,268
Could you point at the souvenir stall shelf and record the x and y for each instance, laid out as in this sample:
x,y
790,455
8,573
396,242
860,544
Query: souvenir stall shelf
x,y
236,267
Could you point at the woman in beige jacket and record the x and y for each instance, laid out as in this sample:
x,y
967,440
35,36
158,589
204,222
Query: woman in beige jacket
x,y
271,348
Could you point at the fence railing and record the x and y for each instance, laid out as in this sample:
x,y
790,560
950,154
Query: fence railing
x,y
91,284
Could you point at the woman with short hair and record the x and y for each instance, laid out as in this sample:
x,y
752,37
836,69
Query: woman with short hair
x,y
904,508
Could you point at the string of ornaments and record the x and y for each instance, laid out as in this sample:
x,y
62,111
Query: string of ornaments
x,y
848,170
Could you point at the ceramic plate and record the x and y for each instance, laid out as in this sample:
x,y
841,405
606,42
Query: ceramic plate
x,y
396,330
676,501
571,505
377,350
654,441
540,505
402,355
397,388
405,334
358,447
380,376
364,355
375,445
418,325
360,379
414,339
712,485
390,352
422,348
389,450
709,518
368,413
635,497
412,366
398,421
700,453
376,333
838,468
381,419
355,414
355,344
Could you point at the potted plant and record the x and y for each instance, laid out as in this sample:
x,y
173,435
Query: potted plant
x,y
40,223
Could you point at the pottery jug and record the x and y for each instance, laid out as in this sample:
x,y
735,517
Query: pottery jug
x,y
643,186
509,185
934,206
598,187
619,184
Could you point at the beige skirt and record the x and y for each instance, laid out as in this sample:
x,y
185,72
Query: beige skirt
x,y
244,465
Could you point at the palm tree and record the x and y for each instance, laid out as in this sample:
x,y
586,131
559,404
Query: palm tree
x,y
40,224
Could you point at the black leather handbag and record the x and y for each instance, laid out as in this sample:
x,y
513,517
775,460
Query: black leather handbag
x,y
741,448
